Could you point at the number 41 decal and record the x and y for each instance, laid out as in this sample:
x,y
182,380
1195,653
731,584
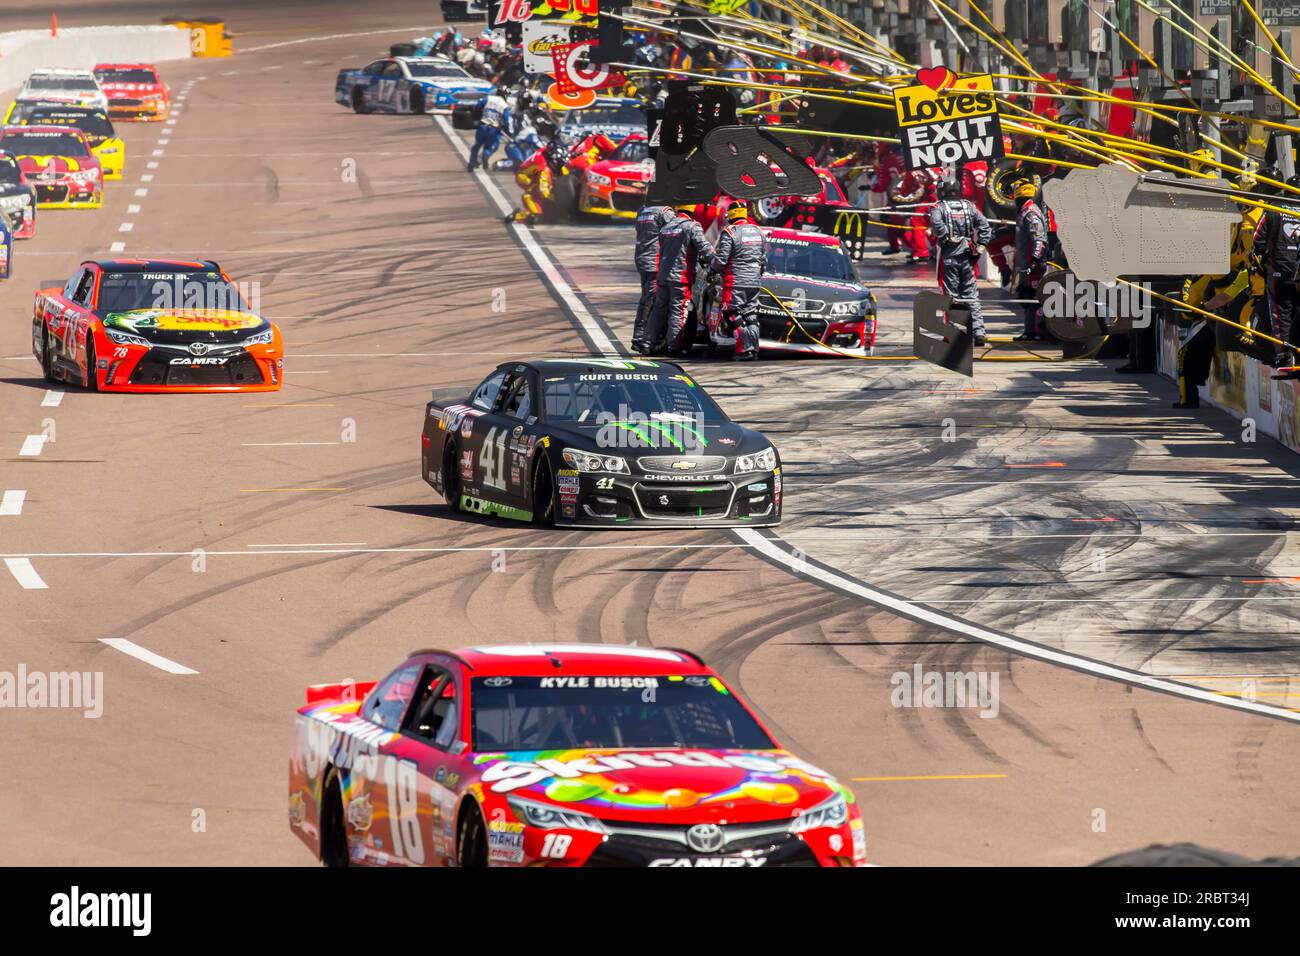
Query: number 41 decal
x,y
493,458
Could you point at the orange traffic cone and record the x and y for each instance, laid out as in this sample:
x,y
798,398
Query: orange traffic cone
x,y
54,24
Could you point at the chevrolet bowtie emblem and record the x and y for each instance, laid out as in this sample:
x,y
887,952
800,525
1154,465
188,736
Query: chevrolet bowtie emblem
x,y
683,466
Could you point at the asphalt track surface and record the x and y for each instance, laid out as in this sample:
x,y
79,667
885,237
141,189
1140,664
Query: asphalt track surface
x,y
323,558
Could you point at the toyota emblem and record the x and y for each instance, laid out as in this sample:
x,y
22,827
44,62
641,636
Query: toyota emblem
x,y
705,838
198,348
498,682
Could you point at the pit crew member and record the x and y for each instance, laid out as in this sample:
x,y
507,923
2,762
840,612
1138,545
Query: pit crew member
x,y
681,245
739,257
649,221
960,231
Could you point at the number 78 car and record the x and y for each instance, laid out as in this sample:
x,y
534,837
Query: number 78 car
x,y
560,755
598,442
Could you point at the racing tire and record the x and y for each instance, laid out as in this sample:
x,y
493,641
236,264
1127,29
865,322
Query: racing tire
x,y
1001,184
47,354
92,380
463,119
471,839
543,491
564,200
358,100
451,476
773,212
417,102
333,832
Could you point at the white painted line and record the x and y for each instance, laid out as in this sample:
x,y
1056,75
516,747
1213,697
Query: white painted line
x,y
32,445
144,654
156,152
151,165
268,69
771,549
589,325
52,398
117,247
12,502
313,544
163,142
25,574
142,192
278,444
132,209
680,546
147,178
126,227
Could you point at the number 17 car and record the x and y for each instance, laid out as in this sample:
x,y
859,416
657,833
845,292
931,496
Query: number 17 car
x,y
599,442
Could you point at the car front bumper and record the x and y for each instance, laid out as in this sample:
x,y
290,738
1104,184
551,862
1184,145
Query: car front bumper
x,y
656,501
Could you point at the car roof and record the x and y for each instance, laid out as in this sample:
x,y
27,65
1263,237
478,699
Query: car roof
x,y
816,238
125,66
424,59
544,660
58,71
42,128
153,265
594,364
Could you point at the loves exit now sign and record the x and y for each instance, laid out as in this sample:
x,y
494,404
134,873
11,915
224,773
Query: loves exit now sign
x,y
946,118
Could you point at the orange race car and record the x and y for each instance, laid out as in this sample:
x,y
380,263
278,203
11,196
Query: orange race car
x,y
151,325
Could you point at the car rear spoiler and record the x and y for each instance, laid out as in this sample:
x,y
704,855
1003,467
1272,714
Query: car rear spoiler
x,y
343,690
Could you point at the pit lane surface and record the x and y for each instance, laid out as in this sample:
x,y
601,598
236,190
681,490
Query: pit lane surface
x,y
245,539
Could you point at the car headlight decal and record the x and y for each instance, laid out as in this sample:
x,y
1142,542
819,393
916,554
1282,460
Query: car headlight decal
x,y
586,461
125,338
830,813
545,816
765,460
261,338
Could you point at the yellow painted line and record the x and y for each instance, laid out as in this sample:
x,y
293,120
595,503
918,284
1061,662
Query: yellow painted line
x,y
1237,693
294,405
940,776
252,490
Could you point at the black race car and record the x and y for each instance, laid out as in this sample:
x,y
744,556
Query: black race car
x,y
600,443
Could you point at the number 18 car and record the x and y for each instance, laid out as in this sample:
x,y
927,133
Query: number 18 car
x,y
562,755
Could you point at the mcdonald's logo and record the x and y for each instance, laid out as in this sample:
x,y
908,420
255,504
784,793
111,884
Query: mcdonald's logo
x,y
854,220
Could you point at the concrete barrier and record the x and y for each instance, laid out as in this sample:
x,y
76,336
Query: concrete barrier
x,y
22,51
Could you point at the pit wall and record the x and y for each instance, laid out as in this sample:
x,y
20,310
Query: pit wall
x,y
22,51
1244,388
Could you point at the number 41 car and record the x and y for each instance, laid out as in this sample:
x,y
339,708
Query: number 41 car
x,y
599,442
564,755
151,325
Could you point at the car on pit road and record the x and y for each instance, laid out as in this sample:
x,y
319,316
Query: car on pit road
x,y
811,303
405,84
562,755
78,87
17,199
58,161
154,325
135,91
614,116
616,186
598,443
94,122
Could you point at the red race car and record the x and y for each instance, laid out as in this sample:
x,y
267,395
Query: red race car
x,y
617,186
562,755
135,91
58,161
155,325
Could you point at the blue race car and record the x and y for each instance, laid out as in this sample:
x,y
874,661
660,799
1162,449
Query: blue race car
x,y
405,84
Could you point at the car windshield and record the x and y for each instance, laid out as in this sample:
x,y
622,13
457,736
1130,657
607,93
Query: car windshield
x,y
92,124
814,260
126,76
43,144
650,398
622,114
632,150
129,291
428,70
549,713
72,84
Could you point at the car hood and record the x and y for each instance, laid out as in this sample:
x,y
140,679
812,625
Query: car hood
x,y
609,167
834,290
639,435
31,165
453,84
174,326
131,87
668,785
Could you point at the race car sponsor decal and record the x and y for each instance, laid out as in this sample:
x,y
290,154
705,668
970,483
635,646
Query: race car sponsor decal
x,y
467,465
196,320
345,740
710,861
361,813
505,841
460,417
574,776
297,809
619,683
198,361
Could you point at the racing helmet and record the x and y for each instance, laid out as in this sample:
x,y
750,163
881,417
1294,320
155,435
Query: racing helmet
x,y
557,154
1026,190
737,212
1262,176
686,208
1202,158
949,189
